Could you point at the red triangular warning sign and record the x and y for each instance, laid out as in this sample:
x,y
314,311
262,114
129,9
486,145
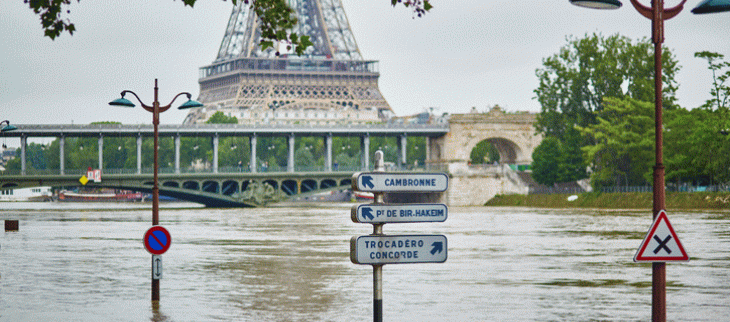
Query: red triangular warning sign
x,y
661,243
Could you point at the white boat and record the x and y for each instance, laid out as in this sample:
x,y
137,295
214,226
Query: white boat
x,y
26,194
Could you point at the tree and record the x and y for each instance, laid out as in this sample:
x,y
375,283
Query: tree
x,y
221,118
696,151
573,82
547,158
720,91
276,18
572,165
624,143
484,152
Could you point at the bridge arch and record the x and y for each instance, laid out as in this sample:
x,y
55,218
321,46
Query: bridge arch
x,y
289,187
513,134
191,185
507,149
327,183
229,187
172,184
308,185
211,186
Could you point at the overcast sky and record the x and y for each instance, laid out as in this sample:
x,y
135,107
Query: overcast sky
x,y
461,54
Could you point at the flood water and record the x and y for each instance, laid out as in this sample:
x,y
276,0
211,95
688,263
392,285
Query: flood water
x,y
86,262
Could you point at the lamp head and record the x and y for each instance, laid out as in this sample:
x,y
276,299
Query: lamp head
x,y
712,6
8,127
597,4
122,101
190,104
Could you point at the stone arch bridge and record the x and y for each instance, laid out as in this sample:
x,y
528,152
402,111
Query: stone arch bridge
x,y
514,136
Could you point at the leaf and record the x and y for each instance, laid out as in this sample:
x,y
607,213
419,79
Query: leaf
x,y
266,44
427,5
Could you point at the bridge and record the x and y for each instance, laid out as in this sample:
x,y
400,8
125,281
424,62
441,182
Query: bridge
x,y
214,187
447,148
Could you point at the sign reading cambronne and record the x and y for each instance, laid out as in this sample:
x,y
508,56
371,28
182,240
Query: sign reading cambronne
x,y
400,249
399,213
400,182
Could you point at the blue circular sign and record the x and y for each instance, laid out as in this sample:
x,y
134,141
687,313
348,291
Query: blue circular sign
x,y
157,240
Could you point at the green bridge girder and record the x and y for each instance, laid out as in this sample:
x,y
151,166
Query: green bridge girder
x,y
210,189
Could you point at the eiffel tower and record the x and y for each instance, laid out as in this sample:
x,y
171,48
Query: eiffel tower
x,y
330,79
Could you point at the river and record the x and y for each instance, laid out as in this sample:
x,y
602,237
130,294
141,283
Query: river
x,y
86,262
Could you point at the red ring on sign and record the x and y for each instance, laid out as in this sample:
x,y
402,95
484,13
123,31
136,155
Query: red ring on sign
x,y
157,240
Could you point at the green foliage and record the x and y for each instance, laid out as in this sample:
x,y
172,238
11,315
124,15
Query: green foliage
x,y
346,151
573,165
221,118
574,81
234,152
50,15
484,152
720,90
624,143
416,150
276,18
628,200
194,150
696,151
555,161
547,158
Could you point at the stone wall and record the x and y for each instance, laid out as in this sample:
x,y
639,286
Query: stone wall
x,y
476,187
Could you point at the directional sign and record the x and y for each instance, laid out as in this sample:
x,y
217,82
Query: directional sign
x,y
661,243
399,213
157,240
157,267
400,182
398,249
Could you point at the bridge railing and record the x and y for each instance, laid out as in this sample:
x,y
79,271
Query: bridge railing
x,y
227,169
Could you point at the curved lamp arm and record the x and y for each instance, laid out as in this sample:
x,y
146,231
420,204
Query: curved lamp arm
x,y
667,14
176,96
138,99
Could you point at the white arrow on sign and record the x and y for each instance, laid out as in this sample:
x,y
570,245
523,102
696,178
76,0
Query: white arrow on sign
x,y
661,243
398,249
400,182
398,213
157,267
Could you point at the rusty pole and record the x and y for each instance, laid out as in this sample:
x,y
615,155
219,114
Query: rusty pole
x,y
659,282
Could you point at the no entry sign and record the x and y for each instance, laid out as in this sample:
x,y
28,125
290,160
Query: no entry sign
x,y
157,240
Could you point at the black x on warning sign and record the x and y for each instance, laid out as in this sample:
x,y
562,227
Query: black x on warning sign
x,y
661,243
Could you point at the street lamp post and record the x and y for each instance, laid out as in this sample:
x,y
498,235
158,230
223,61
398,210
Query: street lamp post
x,y
155,109
657,14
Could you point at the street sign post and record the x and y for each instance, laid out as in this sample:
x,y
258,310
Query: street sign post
x,y
661,243
400,249
399,182
157,241
399,213
379,249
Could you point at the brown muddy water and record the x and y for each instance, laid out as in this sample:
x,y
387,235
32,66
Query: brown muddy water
x,y
86,262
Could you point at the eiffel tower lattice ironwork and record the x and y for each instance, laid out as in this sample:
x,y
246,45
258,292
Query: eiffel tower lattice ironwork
x,y
330,76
